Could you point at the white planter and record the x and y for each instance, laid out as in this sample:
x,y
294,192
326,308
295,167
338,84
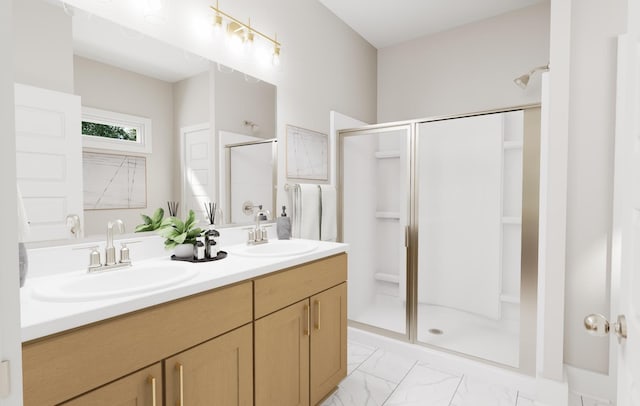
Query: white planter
x,y
183,251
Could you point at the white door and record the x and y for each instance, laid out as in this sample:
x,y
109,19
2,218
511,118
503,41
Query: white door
x,y
48,159
626,219
197,167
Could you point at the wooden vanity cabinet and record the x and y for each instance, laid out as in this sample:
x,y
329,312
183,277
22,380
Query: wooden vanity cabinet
x,y
278,340
300,333
64,366
142,388
216,373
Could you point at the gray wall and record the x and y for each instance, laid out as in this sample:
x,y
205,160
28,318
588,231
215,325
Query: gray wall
x,y
466,69
42,47
238,99
191,101
114,89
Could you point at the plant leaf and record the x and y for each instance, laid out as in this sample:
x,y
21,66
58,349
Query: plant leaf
x,y
146,219
179,239
191,219
157,216
179,225
143,227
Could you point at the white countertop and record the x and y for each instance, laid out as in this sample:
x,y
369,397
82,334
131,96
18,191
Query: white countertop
x,y
41,318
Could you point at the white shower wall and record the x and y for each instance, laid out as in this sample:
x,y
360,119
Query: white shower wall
x,y
470,191
375,181
459,214
359,197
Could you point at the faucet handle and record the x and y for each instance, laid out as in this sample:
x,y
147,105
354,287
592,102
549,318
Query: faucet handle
x,y
94,256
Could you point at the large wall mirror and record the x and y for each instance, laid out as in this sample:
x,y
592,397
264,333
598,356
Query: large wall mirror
x,y
192,109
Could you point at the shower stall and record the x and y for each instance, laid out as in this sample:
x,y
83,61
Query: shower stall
x,y
441,215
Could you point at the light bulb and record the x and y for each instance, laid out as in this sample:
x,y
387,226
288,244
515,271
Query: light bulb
x,y
276,55
217,23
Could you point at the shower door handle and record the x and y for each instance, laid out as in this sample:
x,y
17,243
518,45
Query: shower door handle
x,y
406,236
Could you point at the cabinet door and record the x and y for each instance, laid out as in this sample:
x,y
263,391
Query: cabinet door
x,y
282,357
328,341
143,388
215,373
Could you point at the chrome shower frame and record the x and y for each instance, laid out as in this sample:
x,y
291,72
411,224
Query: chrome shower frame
x,y
529,231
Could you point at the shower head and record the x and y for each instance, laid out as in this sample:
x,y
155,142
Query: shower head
x,y
523,81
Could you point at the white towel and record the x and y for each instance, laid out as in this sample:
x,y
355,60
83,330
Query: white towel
x,y
328,226
306,211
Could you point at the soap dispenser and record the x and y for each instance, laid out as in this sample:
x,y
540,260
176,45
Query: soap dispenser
x,y
283,225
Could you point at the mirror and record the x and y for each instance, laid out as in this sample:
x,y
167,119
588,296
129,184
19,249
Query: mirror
x,y
188,100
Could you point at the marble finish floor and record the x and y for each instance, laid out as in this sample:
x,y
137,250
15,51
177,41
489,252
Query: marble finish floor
x,y
378,377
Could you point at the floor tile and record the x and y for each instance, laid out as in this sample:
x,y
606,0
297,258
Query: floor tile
x,y
475,391
357,354
360,389
586,401
388,366
523,401
425,386
575,399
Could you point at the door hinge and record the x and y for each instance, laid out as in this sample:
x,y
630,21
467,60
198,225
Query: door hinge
x,y
5,384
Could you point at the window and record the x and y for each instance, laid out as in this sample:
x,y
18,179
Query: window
x,y
104,129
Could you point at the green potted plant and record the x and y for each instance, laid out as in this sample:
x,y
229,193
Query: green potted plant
x,y
180,235
151,223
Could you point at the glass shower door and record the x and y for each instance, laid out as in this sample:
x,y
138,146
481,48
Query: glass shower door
x,y
469,186
375,203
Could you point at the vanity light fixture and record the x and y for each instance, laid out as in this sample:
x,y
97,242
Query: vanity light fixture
x,y
245,33
523,81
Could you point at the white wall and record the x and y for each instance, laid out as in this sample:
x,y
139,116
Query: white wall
x,y
42,40
466,69
9,281
594,28
109,88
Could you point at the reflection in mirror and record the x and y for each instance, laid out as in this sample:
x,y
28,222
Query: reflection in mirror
x,y
251,171
187,99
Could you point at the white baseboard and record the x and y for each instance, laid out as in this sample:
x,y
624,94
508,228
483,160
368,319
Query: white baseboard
x,y
551,392
592,385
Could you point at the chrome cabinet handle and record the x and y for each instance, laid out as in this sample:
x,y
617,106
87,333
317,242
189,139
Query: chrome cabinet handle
x,y
180,369
152,381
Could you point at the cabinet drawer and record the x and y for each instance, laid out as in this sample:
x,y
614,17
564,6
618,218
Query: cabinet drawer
x,y
281,289
62,366
141,388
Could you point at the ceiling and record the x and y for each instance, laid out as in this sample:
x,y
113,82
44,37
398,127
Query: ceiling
x,y
387,23
104,41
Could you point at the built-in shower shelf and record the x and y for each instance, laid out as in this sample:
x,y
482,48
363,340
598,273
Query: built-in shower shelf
x,y
387,154
509,299
386,277
512,145
395,215
511,220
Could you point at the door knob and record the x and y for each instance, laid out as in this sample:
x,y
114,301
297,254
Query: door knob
x,y
598,325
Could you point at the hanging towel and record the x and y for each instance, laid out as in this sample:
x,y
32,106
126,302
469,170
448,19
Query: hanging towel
x,y
328,227
306,211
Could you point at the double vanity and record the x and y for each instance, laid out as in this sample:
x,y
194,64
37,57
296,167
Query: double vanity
x,y
265,326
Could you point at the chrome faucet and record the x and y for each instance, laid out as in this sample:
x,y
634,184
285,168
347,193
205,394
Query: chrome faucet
x,y
110,250
257,234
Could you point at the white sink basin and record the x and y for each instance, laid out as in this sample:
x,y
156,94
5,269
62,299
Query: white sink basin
x,y
275,248
113,283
